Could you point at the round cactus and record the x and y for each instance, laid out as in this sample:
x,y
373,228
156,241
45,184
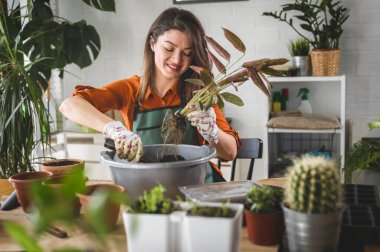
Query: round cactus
x,y
313,186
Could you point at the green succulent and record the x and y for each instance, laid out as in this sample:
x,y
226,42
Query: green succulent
x,y
264,199
313,186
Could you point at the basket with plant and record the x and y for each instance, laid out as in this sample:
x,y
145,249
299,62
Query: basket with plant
x,y
319,22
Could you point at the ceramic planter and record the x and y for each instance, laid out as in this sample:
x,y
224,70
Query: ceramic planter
x,y
312,232
112,209
22,183
151,232
62,166
264,228
179,232
213,233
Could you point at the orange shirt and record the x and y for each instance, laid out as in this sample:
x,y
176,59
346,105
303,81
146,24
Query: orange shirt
x,y
122,95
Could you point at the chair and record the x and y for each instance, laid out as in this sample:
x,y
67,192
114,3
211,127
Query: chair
x,y
251,148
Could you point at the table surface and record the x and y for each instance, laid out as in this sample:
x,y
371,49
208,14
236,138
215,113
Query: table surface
x,y
80,239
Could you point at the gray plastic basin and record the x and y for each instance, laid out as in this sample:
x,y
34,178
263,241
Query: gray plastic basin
x,y
137,177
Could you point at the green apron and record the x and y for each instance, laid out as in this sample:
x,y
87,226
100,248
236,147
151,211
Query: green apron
x,y
148,123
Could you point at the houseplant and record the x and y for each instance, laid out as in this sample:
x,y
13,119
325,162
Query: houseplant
x,y
212,88
362,161
32,43
263,215
299,50
313,204
321,22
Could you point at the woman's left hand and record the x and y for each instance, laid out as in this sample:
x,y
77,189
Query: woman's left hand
x,y
205,121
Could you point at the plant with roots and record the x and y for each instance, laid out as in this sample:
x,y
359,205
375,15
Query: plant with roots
x,y
211,87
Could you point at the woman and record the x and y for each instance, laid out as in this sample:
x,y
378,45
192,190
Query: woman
x,y
174,42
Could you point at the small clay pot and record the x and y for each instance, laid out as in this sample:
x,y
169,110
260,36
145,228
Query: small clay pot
x,y
112,209
22,183
62,166
55,183
265,228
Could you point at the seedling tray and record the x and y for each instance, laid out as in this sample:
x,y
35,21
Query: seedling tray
x,y
361,195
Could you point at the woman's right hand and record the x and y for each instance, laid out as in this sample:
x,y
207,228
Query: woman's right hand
x,y
128,144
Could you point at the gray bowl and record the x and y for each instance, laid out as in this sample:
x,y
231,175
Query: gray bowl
x,y
137,177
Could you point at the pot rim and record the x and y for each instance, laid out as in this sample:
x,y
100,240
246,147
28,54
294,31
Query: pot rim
x,y
46,163
19,176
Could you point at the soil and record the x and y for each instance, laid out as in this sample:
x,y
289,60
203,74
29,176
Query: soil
x,y
61,163
165,158
211,212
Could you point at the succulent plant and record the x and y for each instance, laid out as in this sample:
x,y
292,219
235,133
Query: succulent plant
x,y
313,186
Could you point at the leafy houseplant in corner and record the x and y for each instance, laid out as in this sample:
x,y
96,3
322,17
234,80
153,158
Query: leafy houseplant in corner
x,y
362,161
263,214
313,205
148,222
33,42
321,21
299,49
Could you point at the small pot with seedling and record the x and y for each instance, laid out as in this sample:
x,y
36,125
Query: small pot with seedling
x,y
147,222
211,226
264,216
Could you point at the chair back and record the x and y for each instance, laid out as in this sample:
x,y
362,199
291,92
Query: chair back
x,y
251,148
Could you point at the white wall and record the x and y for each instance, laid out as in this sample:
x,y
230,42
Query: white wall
x,y
123,33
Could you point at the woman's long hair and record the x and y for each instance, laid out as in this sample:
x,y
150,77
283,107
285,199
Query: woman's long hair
x,y
184,21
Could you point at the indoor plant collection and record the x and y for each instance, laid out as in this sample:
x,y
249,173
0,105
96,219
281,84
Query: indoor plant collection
x,y
313,204
33,42
321,22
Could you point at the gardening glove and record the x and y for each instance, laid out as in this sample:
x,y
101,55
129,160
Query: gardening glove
x,y
128,145
205,121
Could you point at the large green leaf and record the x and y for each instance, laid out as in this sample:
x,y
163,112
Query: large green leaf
x,y
104,5
81,43
234,40
41,10
234,99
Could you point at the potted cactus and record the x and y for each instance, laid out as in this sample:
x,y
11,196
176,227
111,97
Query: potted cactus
x,y
313,205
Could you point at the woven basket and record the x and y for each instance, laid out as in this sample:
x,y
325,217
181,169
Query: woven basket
x,y
325,62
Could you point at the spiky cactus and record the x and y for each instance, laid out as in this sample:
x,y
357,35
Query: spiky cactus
x,y
314,186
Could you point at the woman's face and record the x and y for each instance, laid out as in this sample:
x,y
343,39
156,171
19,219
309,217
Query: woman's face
x,y
172,54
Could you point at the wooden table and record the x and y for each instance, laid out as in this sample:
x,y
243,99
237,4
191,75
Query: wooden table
x,y
80,239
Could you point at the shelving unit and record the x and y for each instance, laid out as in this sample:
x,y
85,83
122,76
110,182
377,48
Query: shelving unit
x,y
327,97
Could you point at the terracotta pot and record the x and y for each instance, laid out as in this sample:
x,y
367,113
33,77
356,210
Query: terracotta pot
x,y
112,209
62,166
265,229
55,183
22,183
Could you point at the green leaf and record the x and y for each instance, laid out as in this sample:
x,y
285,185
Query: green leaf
x,y
234,40
219,65
275,62
270,71
234,99
104,5
218,48
220,102
19,234
197,82
206,77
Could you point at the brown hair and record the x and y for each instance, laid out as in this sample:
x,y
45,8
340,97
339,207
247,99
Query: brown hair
x,y
184,21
